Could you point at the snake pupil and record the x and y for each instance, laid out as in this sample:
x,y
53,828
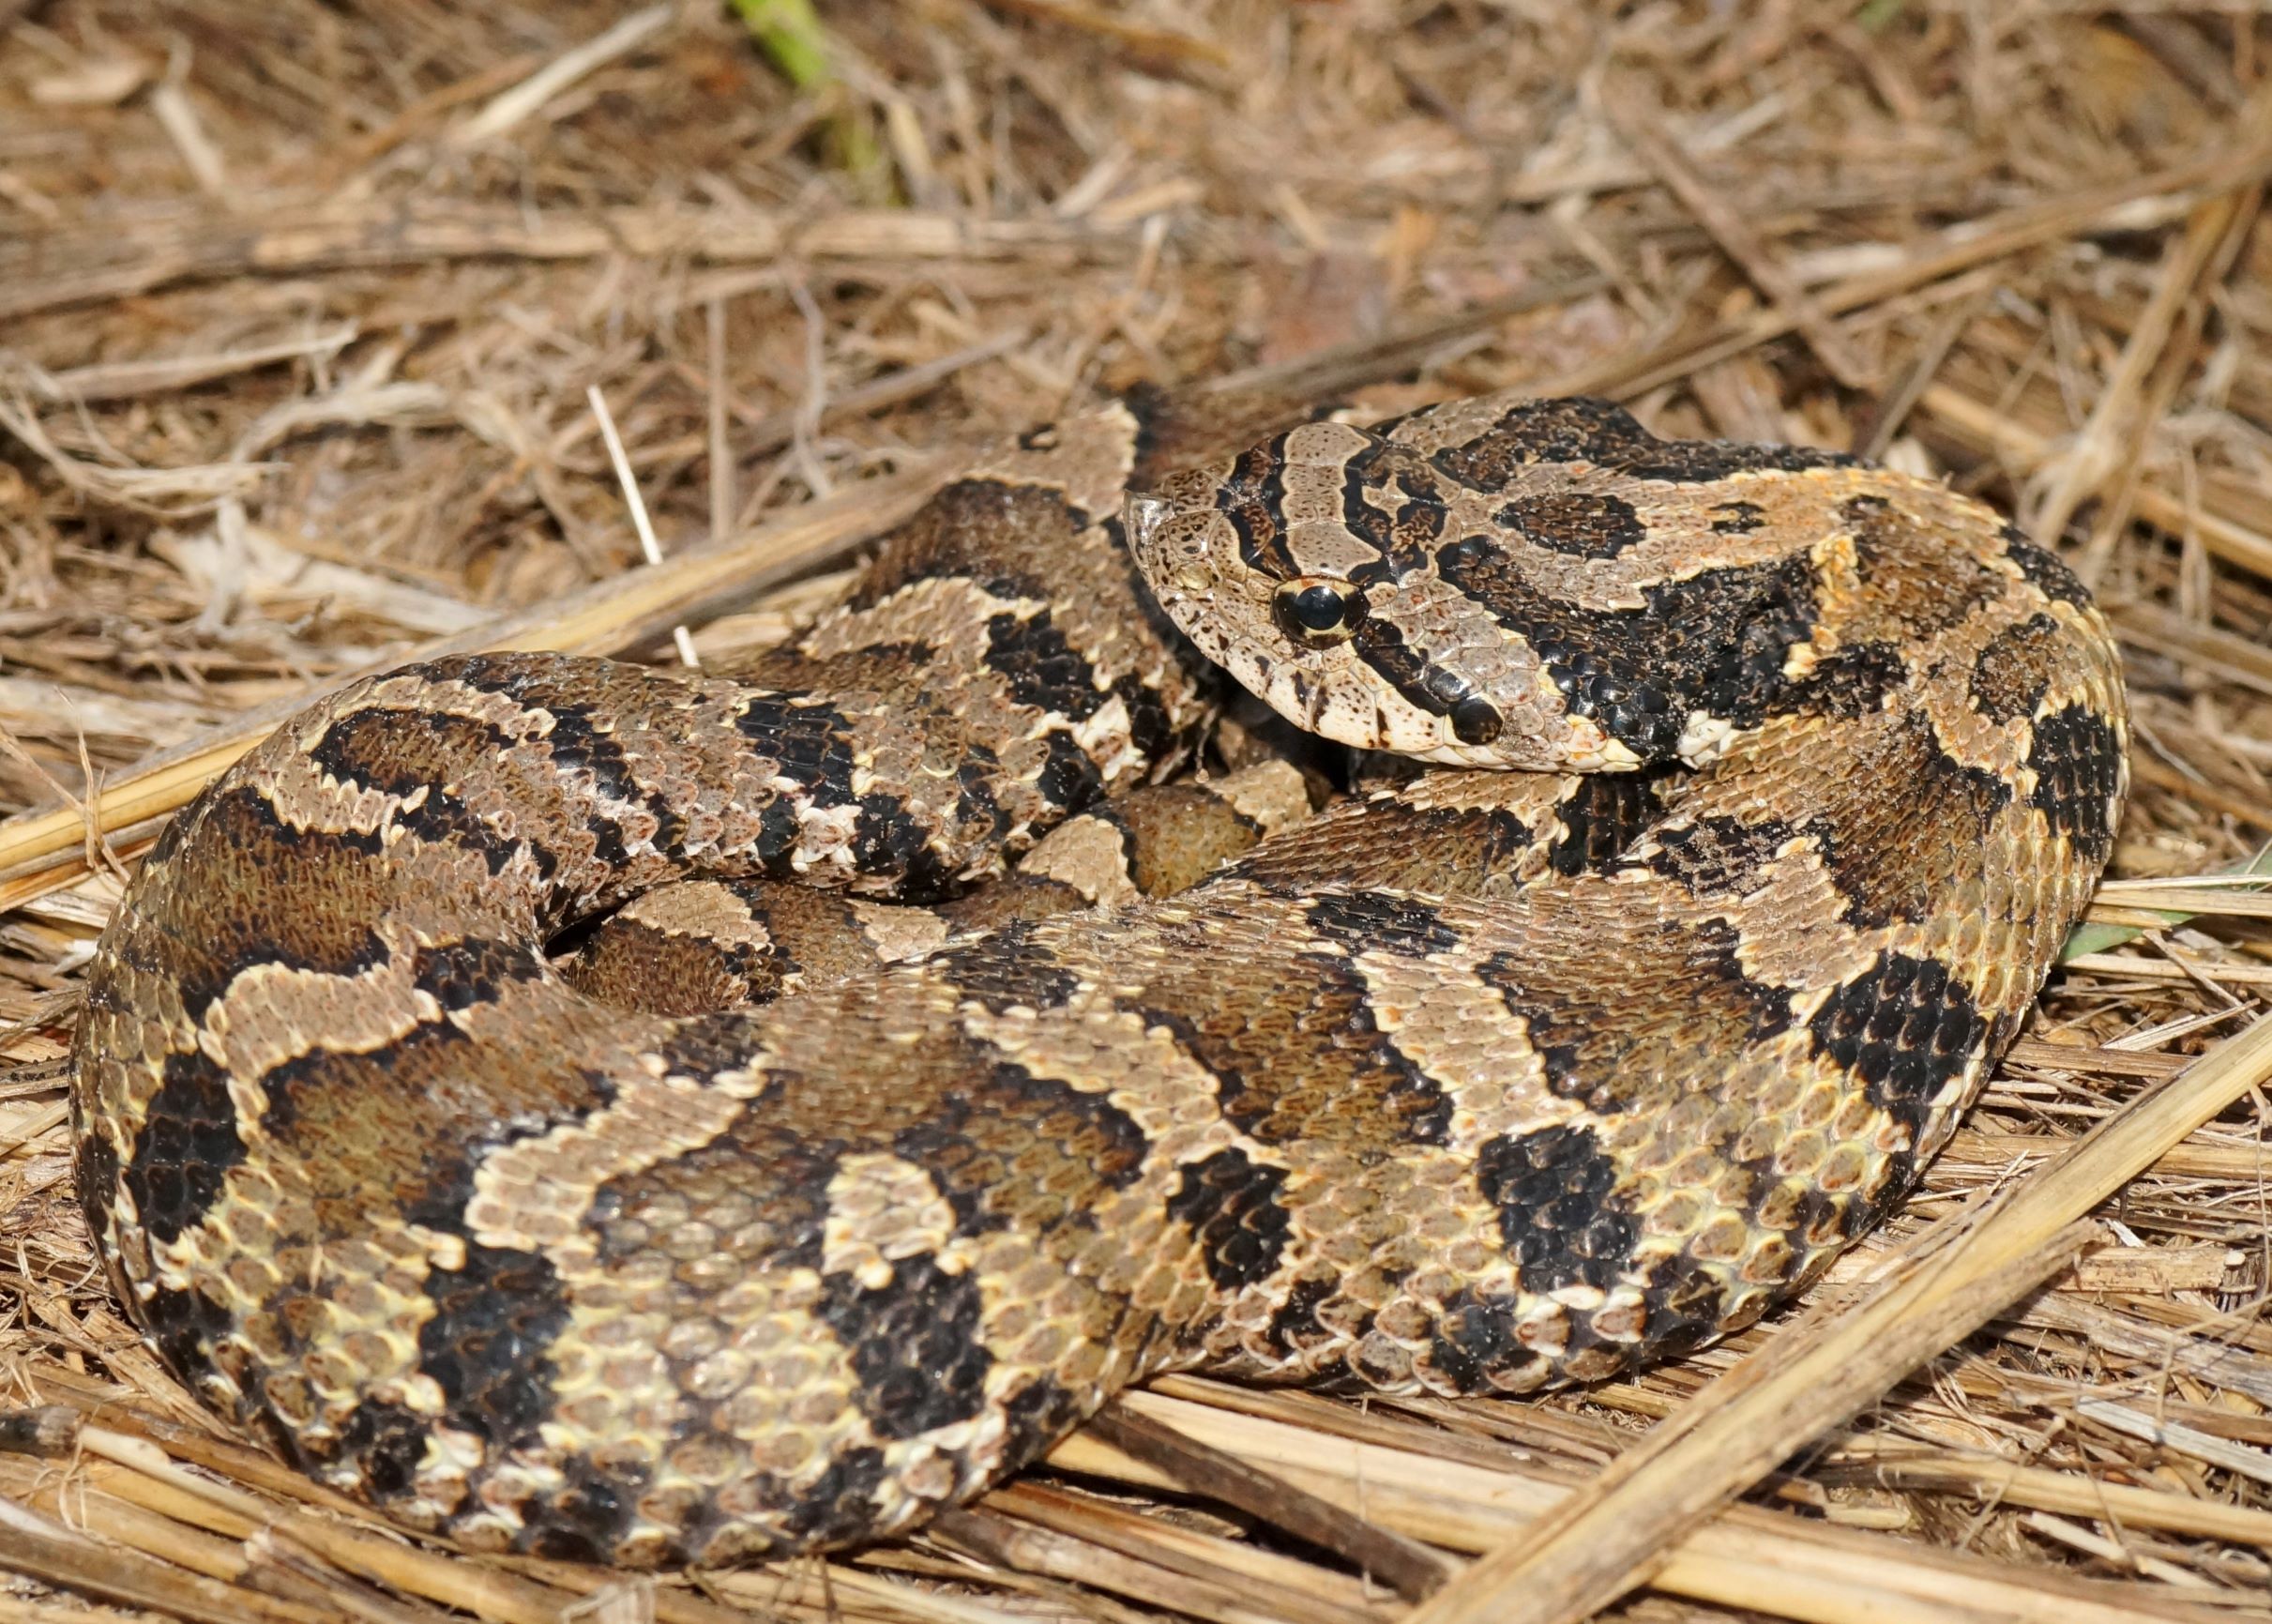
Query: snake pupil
x,y
1475,720
1318,613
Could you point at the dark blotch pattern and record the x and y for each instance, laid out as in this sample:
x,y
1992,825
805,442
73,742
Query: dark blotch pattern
x,y
1069,779
1906,1028
1232,1207
1008,1145
1368,921
1575,522
184,1325
186,1147
916,1345
811,742
1682,1302
1719,857
1475,1346
2010,677
980,529
1601,816
1581,429
1871,847
1560,1216
887,839
488,1344
842,1503
1296,1053
388,1441
242,847
461,975
1035,1416
2044,570
1714,642
582,1521
402,752
1009,967
2076,760
1295,1325
1040,668
1737,518
580,743
1609,1042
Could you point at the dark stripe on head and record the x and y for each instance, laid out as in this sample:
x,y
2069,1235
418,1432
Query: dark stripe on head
x,y
1607,436
1393,500
1437,690
1715,643
1575,522
1252,499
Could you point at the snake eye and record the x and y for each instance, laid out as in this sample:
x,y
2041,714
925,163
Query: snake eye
x,y
1318,613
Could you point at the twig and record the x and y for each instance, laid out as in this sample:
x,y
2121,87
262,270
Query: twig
x,y
649,548
608,615
1654,145
1411,1569
524,99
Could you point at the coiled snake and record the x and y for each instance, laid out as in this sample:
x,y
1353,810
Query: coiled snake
x,y
1473,1083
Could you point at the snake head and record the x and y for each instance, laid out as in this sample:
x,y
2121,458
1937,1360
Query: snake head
x,y
1309,568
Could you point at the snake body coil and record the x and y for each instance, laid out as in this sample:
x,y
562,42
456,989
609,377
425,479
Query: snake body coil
x,y
1486,1080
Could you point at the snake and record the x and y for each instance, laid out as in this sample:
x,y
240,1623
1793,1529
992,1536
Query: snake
x,y
684,1117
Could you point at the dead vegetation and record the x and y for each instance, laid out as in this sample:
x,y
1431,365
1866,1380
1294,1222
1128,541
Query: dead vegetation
x,y
305,310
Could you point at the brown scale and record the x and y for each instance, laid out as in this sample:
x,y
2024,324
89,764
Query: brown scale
x,y
1480,1081
712,945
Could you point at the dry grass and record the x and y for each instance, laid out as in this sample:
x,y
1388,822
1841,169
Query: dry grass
x,y
303,304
